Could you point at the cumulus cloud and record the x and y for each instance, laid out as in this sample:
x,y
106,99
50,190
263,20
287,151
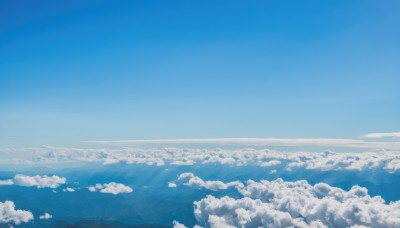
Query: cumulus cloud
x,y
171,185
8,214
68,189
176,224
384,160
297,204
37,181
111,188
46,216
382,135
192,180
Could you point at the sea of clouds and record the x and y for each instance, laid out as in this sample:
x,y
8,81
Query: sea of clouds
x,y
388,161
265,203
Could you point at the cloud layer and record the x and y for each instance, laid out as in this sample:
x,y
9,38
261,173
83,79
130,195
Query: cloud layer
x,y
326,142
37,181
373,160
8,214
283,204
382,135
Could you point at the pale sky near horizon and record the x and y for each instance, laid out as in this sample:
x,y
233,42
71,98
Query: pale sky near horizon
x,y
73,71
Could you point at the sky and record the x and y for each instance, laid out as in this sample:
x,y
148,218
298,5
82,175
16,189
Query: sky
x,y
74,71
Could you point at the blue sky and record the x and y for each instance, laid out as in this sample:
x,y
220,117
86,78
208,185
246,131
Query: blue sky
x,y
72,71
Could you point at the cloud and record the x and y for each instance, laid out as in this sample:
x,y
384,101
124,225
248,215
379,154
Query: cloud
x,y
192,180
286,204
372,160
178,225
382,135
37,181
68,189
6,182
184,162
346,161
46,216
111,188
270,163
8,214
326,142
171,185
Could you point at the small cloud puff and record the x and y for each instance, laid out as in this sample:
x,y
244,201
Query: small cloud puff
x,y
111,188
171,185
46,216
192,180
178,225
388,160
8,214
37,181
272,171
68,189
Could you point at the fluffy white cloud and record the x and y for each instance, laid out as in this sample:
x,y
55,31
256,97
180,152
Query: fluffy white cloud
x,y
8,214
345,161
171,185
382,135
270,163
192,180
112,188
386,160
287,204
37,181
178,225
46,216
68,189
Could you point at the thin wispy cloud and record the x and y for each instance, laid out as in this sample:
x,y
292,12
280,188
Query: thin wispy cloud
x,y
328,142
382,135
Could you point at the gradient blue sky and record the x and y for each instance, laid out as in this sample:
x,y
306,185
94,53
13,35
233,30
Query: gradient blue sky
x,y
107,70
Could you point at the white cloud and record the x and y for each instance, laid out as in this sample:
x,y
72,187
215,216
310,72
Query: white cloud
x,y
8,214
185,162
270,163
192,180
384,160
68,189
178,225
6,182
287,204
37,181
331,142
46,216
382,135
112,188
171,185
